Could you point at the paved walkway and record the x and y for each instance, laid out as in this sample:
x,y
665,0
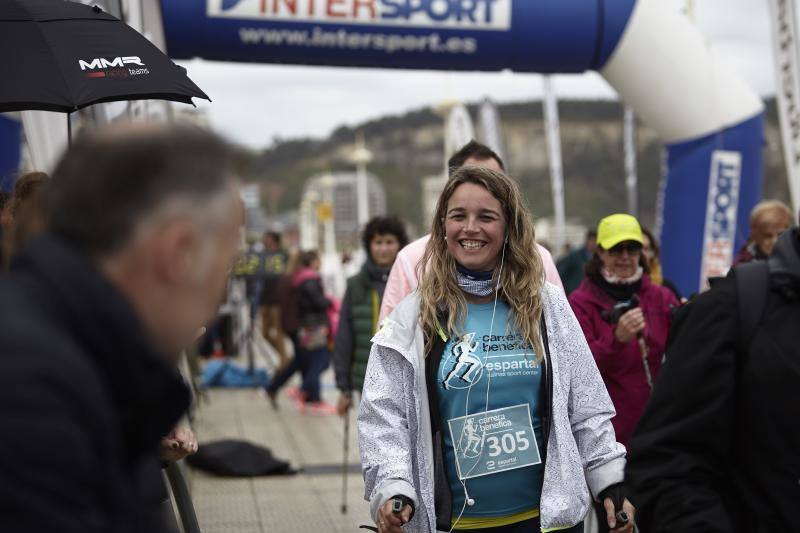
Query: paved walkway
x,y
309,502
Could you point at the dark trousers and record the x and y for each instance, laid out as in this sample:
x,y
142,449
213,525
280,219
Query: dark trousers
x,y
527,526
287,372
310,363
314,364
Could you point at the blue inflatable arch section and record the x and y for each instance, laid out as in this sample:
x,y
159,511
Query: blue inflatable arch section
x,y
10,140
711,122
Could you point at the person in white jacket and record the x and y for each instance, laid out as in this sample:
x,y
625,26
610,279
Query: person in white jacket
x,y
482,407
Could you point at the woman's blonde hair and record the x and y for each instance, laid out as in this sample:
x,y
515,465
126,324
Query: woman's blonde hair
x,y
522,275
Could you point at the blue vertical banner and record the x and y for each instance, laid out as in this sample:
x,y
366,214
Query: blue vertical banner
x,y
712,185
10,148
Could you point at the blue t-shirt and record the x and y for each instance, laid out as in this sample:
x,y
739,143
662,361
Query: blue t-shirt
x,y
488,392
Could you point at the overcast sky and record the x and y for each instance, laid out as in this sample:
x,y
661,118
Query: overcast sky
x,y
254,104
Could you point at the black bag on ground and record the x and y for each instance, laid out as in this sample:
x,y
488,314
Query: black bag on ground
x,y
237,458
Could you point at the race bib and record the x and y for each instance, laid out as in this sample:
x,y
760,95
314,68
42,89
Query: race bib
x,y
494,441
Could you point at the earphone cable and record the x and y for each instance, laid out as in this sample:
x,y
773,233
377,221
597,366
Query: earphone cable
x,y
488,387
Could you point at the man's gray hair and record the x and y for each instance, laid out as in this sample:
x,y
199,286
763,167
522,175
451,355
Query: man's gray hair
x,y
110,182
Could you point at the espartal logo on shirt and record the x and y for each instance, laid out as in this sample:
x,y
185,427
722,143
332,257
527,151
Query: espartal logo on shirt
x,y
505,355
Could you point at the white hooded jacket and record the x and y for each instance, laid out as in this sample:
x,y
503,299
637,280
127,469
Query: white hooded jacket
x,y
394,423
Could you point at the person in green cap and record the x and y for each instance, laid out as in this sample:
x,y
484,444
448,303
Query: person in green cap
x,y
626,319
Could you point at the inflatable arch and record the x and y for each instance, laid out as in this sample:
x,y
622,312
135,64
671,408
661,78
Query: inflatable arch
x,y
10,137
710,121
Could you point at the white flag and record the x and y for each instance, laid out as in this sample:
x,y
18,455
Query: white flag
x,y
490,124
552,132
785,47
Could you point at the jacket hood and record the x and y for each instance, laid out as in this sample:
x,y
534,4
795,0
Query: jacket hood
x,y
303,275
785,259
398,330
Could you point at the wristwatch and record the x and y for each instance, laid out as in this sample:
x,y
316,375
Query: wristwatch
x,y
399,501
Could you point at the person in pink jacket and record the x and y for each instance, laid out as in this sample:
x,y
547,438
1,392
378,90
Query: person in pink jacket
x,y
403,278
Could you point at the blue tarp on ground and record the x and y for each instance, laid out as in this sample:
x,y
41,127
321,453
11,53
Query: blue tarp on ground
x,y
224,373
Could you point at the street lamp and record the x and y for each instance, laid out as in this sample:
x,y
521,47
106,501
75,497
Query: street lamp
x,y
326,213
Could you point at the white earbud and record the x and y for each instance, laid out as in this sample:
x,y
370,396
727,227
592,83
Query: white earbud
x,y
470,501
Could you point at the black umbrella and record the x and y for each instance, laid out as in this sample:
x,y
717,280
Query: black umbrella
x,y
62,56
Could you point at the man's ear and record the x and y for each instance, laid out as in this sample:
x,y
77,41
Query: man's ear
x,y
174,249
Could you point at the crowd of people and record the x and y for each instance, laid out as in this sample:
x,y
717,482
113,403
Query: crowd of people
x,y
490,396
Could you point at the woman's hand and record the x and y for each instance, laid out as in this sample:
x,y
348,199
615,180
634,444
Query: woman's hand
x,y
612,519
388,522
629,325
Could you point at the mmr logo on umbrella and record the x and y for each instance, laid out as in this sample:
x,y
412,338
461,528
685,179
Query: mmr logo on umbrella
x,y
116,63
102,62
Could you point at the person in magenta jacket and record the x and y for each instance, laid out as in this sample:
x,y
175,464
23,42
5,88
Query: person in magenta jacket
x,y
626,319
617,275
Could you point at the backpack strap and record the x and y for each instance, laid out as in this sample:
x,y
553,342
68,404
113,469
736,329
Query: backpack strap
x,y
752,289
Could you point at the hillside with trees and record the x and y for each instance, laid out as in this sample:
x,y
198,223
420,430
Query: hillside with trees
x,y
407,148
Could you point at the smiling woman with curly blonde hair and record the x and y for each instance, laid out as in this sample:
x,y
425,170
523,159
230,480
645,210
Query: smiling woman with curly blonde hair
x,y
478,377
521,279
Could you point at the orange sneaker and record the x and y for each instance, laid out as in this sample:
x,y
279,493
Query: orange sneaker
x,y
294,393
320,409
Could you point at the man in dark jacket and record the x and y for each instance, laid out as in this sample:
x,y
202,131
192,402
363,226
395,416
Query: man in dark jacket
x,y
143,227
570,267
718,447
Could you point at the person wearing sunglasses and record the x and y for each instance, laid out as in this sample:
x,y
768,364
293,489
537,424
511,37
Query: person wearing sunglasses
x,y
626,319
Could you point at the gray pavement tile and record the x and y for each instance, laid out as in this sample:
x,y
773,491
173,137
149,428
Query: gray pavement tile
x,y
292,504
231,527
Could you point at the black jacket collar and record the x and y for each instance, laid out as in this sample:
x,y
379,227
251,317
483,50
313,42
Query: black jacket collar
x,y
784,262
149,395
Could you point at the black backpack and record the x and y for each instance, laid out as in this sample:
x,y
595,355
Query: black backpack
x,y
752,291
237,458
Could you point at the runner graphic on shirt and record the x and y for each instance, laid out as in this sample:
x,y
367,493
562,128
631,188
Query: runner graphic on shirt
x,y
474,442
468,366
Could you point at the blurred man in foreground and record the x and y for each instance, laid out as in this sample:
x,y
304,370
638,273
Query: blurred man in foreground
x,y
144,224
717,448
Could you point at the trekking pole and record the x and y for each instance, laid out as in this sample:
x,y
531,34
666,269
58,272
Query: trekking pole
x,y
345,460
645,360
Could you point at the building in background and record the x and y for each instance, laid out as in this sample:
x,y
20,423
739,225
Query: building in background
x,y
574,235
328,218
255,222
432,187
